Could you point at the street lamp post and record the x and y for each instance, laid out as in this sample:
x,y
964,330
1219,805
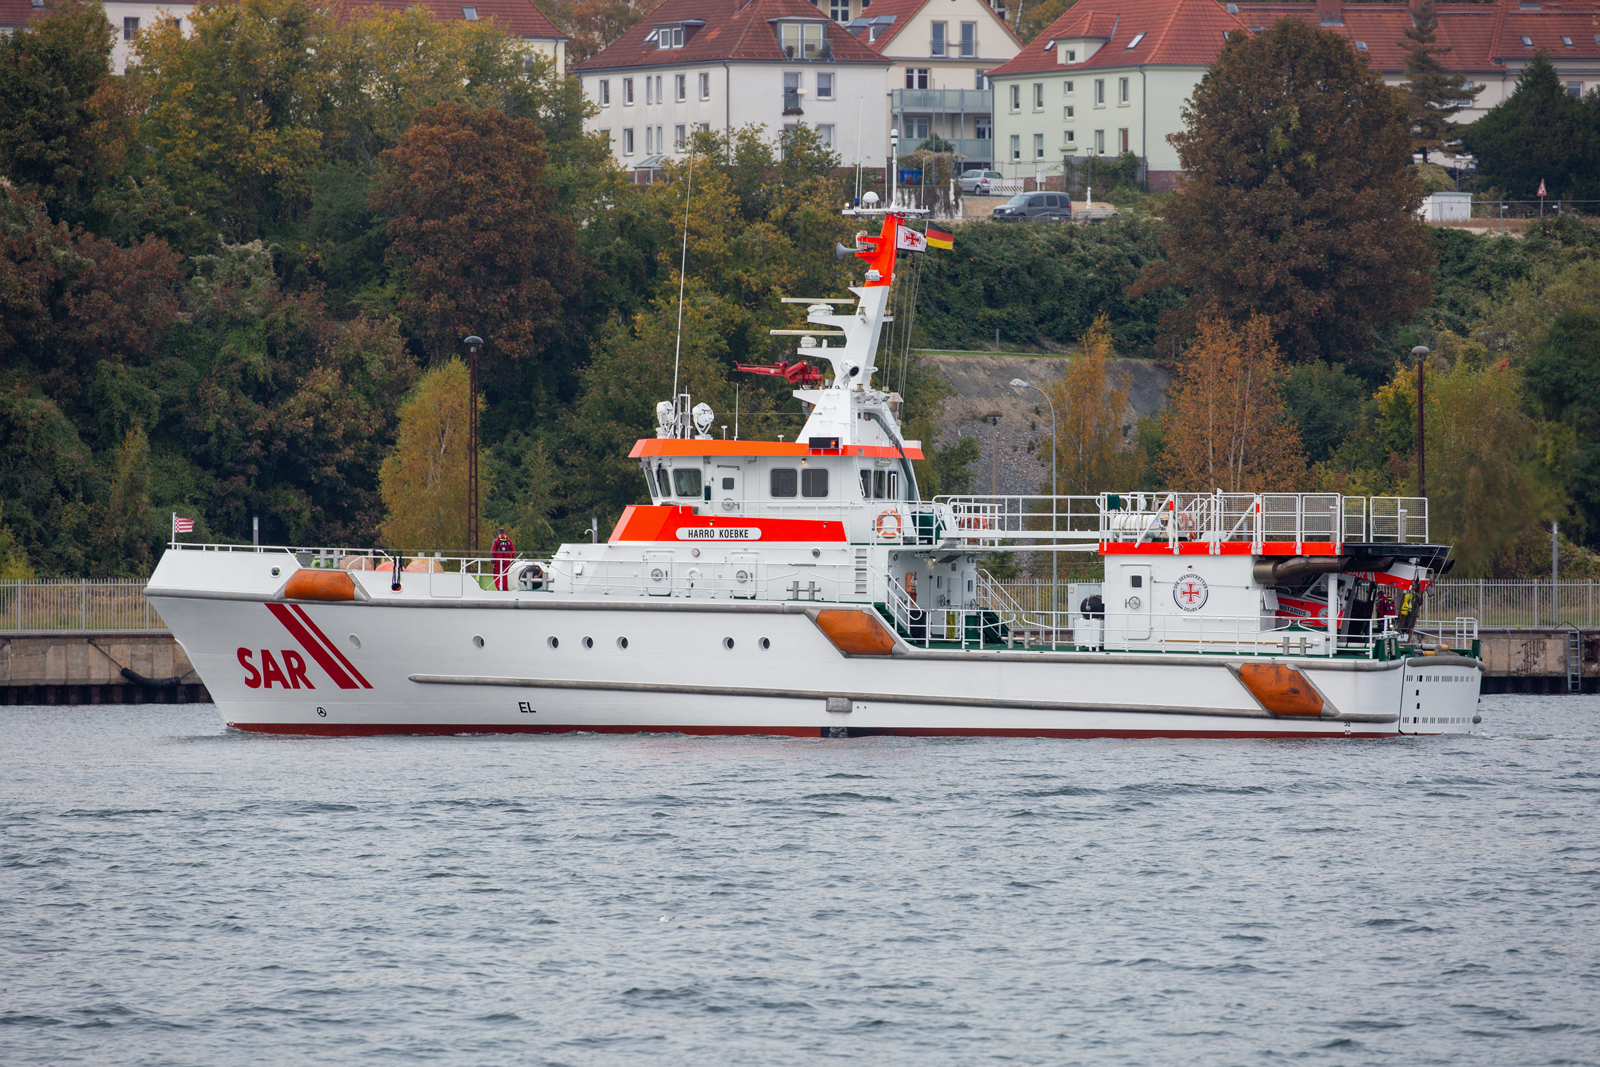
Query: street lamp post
x,y
474,344
1055,570
1421,352
888,171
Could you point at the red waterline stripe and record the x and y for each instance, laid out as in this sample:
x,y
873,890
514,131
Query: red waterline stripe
x,y
444,729
307,642
351,667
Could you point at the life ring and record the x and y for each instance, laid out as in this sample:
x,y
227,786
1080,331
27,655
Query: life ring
x,y
882,522
973,522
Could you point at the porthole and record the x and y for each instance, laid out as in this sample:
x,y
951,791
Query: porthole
x,y
741,577
588,642
656,574
355,641
477,640
553,643
765,644
276,572
727,643
622,643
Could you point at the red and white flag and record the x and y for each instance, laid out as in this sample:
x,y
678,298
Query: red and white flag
x,y
181,525
911,240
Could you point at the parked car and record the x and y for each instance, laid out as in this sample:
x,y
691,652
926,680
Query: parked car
x,y
1045,207
979,182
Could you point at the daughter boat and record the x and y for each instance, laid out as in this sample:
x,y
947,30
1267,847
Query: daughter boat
x,y
805,588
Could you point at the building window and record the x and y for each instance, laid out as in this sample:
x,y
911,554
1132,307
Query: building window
x,y
1068,111
470,14
825,86
1135,42
1016,98
627,140
604,94
936,47
1038,96
825,135
839,10
1122,90
1527,42
1072,55
1016,147
1070,137
916,129
705,127
1100,142
1066,88
983,81
680,87
1038,146
969,40
649,141
1575,90
661,139
627,92
129,28
659,98
916,77
668,37
1099,92
705,87
605,135
649,91
1566,41
801,40
677,138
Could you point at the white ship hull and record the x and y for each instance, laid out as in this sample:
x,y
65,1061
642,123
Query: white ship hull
x,y
550,662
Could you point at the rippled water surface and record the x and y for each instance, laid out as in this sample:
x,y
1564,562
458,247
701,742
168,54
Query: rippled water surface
x,y
172,892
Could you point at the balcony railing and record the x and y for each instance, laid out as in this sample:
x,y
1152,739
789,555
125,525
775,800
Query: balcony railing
x,y
976,100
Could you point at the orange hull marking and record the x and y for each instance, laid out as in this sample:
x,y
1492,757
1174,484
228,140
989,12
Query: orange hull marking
x,y
855,633
1281,690
320,585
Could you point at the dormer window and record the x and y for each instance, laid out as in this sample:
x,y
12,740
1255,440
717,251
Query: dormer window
x,y
1135,42
802,40
669,36
470,14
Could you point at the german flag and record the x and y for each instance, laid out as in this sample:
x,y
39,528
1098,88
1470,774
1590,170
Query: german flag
x,y
938,238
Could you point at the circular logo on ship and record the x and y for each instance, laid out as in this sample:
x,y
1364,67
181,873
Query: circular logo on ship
x,y
1190,592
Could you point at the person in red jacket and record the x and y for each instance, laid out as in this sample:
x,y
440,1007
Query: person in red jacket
x,y
502,552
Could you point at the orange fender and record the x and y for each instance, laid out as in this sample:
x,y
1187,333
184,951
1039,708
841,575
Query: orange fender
x,y
320,585
1281,690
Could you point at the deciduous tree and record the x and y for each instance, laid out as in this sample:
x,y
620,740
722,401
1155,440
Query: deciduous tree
x,y
1300,196
1091,404
475,234
424,481
1226,425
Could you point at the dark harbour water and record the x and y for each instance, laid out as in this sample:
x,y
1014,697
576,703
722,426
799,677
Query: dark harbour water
x,y
175,893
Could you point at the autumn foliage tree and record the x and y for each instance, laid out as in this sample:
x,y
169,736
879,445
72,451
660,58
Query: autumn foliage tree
x,y
1226,425
1091,405
1299,195
475,235
424,481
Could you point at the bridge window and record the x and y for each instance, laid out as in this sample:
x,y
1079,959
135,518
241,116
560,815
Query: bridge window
x,y
663,480
687,479
880,485
814,481
784,480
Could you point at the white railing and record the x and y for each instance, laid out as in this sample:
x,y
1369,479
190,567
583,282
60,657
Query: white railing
x,y
55,604
1173,517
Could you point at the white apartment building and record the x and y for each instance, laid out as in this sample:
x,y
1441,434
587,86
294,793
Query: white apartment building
x,y
724,64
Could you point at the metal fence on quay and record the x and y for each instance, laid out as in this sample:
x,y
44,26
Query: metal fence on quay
x,y
70,604
74,604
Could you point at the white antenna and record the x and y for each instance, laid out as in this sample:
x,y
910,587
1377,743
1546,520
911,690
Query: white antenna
x,y
860,115
683,268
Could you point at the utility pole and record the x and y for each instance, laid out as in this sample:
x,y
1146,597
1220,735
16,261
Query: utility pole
x,y
1421,352
473,343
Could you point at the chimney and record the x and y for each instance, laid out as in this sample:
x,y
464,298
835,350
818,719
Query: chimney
x,y
1330,12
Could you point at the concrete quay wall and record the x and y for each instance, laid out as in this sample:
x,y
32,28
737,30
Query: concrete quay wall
x,y
1535,660
110,667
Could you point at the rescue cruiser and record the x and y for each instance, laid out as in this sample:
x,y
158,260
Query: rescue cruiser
x,y
805,588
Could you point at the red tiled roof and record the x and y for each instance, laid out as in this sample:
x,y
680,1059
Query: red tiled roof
x,y
1176,33
732,30
903,11
519,18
